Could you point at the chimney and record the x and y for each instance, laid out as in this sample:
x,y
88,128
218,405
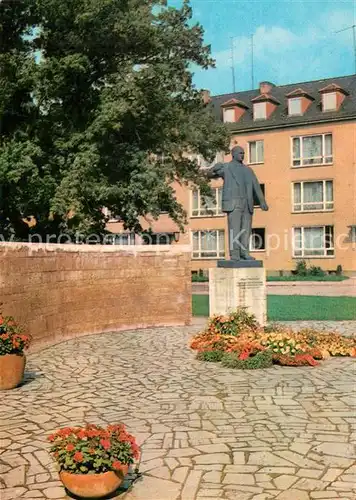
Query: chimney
x,y
266,87
206,96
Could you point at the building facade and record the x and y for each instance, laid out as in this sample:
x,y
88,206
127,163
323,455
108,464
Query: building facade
x,y
300,140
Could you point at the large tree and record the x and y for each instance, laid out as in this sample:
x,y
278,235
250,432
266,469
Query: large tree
x,y
98,109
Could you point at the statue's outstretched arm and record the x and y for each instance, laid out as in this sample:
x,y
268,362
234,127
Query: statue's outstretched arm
x,y
215,171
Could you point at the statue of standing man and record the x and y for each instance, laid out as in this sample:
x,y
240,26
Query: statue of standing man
x,y
240,185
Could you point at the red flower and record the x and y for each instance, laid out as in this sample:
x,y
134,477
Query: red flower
x,y
117,465
70,447
105,443
81,434
78,456
51,438
244,355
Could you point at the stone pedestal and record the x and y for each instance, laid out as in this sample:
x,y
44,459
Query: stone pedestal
x,y
236,284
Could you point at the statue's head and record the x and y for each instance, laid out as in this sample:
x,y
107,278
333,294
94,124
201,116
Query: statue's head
x,y
238,154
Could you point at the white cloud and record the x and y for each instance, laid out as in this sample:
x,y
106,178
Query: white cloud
x,y
274,41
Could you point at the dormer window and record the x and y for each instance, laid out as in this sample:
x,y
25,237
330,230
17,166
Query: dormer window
x,y
295,106
332,97
298,102
263,106
329,101
233,110
229,115
260,111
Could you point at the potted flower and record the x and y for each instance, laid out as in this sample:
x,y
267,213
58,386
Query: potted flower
x,y
93,460
12,358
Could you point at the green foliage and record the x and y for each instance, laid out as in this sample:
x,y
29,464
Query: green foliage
x,y
236,322
295,277
199,278
303,270
262,359
211,356
316,271
97,108
93,449
12,340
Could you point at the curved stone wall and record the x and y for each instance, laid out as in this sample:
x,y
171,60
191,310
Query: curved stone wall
x,y
62,291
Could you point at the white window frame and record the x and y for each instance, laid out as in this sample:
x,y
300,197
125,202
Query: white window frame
x,y
249,152
202,210
323,155
323,204
292,100
219,253
225,113
324,99
258,105
251,246
301,252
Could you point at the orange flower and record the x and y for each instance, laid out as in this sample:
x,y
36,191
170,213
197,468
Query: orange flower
x,y
70,447
81,434
78,456
105,443
117,465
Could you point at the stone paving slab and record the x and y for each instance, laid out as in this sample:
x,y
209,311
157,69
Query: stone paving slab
x,y
207,432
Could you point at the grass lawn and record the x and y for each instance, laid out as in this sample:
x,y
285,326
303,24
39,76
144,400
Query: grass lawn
x,y
329,277
296,307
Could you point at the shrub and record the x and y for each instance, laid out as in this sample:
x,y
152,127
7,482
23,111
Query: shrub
x,y
316,271
301,268
262,359
93,449
12,340
237,322
211,356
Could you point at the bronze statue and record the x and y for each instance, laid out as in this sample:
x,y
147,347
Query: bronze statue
x,y
240,184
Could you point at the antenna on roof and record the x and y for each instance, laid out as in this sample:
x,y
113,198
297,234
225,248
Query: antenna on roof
x,y
353,28
252,63
233,65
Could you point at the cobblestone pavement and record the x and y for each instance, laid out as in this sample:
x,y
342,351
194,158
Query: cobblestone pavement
x,y
207,432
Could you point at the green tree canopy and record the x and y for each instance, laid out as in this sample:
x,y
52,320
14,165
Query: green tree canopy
x,y
98,108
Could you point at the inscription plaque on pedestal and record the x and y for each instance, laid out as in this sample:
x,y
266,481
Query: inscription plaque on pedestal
x,y
233,287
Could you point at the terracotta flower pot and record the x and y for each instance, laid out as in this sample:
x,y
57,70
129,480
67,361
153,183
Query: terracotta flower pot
x,y
12,368
92,485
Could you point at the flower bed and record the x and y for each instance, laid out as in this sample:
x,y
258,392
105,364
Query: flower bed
x,y
238,341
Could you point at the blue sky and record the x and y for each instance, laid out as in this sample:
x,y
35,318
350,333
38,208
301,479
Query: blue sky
x,y
294,40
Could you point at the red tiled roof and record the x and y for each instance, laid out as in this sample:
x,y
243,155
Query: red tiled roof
x,y
234,102
332,87
299,92
265,97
